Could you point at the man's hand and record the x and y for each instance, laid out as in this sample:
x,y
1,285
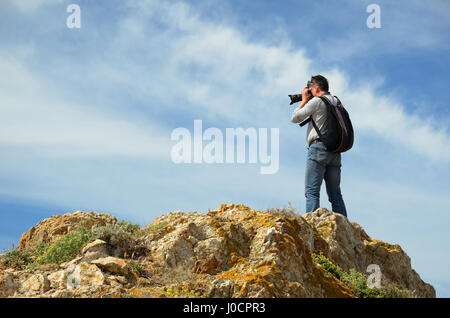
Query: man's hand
x,y
306,94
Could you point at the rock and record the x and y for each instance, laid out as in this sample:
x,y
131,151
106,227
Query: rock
x,y
114,280
35,284
77,276
49,230
112,265
90,275
8,284
142,281
114,292
95,247
64,293
209,266
95,250
56,279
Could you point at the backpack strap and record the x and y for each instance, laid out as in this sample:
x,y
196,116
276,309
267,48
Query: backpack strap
x,y
303,123
326,100
316,128
312,120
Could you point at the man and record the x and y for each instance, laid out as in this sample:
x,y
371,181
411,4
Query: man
x,y
321,164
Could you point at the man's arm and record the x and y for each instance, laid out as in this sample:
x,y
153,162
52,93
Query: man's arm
x,y
304,110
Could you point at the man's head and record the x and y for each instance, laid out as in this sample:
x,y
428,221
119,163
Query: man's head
x,y
318,85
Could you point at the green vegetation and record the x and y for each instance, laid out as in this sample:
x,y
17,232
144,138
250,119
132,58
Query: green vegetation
x,y
178,292
113,234
330,267
68,246
137,268
288,211
15,259
357,281
128,227
62,250
155,227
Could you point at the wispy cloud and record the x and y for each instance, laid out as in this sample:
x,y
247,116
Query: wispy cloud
x,y
42,120
387,117
218,73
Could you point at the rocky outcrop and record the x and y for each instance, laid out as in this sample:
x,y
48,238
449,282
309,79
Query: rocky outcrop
x,y
230,252
351,247
57,226
243,253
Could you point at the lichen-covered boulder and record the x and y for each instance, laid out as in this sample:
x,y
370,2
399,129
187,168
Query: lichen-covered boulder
x,y
351,247
56,226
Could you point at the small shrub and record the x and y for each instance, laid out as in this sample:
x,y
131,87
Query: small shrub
x,y
155,227
288,211
389,292
114,234
357,281
137,268
128,227
122,237
15,259
62,250
67,247
331,268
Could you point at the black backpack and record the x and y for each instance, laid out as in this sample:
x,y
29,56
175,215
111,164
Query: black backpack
x,y
338,130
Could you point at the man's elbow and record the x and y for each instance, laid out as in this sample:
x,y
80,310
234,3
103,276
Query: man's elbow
x,y
295,119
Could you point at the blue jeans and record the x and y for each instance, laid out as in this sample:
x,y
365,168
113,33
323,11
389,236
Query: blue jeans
x,y
322,164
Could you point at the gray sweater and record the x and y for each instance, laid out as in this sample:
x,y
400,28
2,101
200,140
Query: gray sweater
x,y
316,108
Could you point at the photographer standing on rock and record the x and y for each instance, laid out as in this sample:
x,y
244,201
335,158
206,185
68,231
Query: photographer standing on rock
x,y
321,163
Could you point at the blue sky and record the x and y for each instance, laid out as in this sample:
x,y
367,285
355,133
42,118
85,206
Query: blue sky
x,y
87,114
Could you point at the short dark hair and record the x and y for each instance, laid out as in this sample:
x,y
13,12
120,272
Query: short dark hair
x,y
320,81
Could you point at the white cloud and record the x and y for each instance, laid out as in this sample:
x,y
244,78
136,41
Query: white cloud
x,y
387,118
222,74
213,67
37,118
